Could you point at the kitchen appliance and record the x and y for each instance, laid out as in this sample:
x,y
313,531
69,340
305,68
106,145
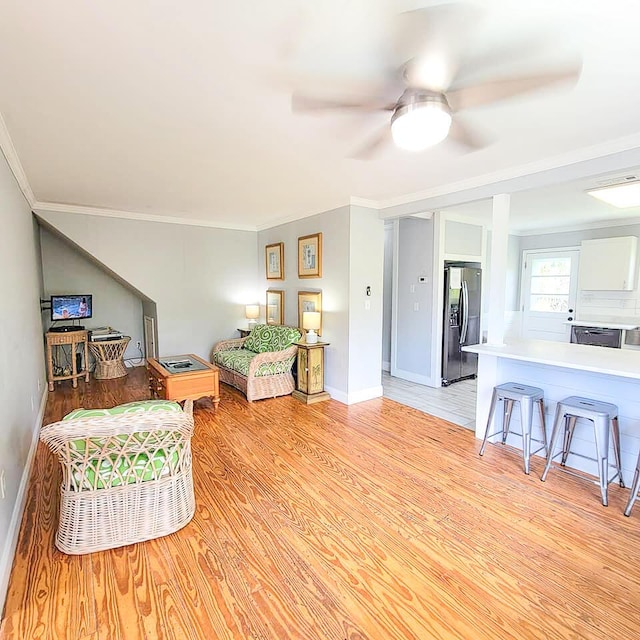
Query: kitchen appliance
x,y
597,336
462,289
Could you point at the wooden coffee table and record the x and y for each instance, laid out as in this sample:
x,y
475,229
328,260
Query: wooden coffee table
x,y
185,377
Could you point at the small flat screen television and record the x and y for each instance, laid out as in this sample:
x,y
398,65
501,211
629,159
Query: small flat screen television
x,y
71,307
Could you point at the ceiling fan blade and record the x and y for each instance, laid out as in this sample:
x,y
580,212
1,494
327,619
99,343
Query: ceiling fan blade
x,y
373,144
501,89
466,136
306,104
430,43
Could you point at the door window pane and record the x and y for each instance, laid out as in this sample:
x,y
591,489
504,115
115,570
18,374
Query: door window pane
x,y
549,303
551,266
551,284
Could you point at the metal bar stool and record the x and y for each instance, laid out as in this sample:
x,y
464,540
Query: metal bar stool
x,y
603,415
511,392
635,487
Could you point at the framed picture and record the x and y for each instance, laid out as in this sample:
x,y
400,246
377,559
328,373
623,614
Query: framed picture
x,y
275,306
274,261
310,301
310,256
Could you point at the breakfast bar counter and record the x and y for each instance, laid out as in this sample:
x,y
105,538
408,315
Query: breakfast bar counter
x,y
561,370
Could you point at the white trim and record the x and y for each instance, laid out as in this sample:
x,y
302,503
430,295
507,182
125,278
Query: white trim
x,y
437,298
386,366
602,224
393,356
363,202
53,207
427,381
11,155
461,257
593,152
299,216
335,394
11,542
365,394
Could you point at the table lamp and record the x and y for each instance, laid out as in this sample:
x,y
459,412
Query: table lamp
x,y
311,323
252,313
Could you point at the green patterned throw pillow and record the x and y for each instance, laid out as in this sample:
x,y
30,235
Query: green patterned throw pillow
x,y
269,337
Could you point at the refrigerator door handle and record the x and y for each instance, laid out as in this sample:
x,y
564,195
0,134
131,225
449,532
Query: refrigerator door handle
x,y
464,312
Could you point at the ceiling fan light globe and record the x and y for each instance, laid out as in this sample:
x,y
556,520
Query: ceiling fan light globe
x,y
416,127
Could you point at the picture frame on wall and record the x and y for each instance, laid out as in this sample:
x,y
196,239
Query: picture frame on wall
x,y
310,256
310,301
274,261
275,306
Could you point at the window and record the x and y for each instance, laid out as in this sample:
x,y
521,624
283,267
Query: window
x,y
550,284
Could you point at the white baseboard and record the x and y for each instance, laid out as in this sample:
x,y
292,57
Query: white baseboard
x,y
356,396
416,377
340,396
386,366
10,544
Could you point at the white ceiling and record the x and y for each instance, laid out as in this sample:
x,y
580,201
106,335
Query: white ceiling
x,y
183,109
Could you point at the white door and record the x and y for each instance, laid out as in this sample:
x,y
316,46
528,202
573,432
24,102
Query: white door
x,y
549,288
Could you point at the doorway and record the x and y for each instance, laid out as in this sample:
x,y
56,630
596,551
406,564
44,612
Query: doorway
x,y
549,289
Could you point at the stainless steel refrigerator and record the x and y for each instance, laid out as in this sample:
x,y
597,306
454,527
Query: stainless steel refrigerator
x,y
462,289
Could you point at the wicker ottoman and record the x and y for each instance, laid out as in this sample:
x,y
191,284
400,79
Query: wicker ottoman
x,y
109,361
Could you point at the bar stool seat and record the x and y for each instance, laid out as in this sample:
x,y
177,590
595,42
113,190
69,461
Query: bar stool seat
x,y
604,416
511,392
635,487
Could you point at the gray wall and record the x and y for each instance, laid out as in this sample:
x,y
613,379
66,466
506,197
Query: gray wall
x,y
353,250
414,339
334,284
68,271
200,277
22,376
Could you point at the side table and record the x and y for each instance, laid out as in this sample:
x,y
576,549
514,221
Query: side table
x,y
73,338
310,381
109,358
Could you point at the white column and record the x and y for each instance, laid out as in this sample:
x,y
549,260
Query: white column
x,y
498,279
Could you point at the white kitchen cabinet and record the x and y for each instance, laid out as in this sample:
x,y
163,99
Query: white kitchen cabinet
x,y
608,264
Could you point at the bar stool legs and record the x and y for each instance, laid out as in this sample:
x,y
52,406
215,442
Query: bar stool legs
x,y
604,417
635,487
509,393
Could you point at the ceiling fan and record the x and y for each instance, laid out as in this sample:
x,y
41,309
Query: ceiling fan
x,y
425,92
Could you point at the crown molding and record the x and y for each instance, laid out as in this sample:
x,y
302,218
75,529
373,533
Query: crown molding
x,y
602,224
593,152
54,207
354,201
293,218
11,155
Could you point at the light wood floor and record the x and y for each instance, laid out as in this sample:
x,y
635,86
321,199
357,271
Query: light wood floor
x,y
368,522
455,403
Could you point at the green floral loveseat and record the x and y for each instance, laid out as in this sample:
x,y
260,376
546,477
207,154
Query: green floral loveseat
x,y
260,364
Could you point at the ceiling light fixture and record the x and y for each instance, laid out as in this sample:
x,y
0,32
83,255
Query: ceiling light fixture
x,y
421,120
622,196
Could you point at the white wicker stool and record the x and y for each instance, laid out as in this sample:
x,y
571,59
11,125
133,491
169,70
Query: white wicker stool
x,y
511,392
108,355
604,417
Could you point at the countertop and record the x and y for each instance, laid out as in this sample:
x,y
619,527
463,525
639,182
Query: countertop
x,y
602,324
614,362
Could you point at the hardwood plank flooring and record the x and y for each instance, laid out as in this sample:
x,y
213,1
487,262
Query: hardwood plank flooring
x,y
369,522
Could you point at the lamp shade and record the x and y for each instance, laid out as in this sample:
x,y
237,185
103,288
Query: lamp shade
x,y
252,311
311,320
